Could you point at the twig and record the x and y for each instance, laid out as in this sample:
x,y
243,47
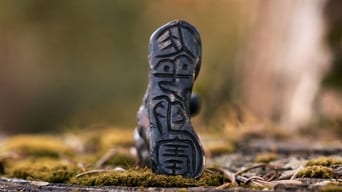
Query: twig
x,y
110,153
250,168
233,177
273,176
296,173
223,186
254,177
92,172
105,158
230,175
294,182
254,183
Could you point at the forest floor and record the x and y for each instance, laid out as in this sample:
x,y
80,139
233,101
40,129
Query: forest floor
x,y
103,160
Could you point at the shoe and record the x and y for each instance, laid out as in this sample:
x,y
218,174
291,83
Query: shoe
x,y
174,63
142,131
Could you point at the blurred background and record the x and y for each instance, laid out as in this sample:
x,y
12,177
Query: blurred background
x,y
82,63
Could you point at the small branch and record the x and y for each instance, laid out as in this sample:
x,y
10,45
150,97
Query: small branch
x,y
294,182
223,186
92,172
254,183
230,175
110,153
296,173
254,177
250,168
273,176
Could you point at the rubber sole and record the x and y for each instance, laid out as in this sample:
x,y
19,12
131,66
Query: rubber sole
x,y
174,62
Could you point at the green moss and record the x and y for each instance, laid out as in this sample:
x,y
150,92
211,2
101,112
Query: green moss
x,y
325,161
219,148
320,167
182,190
331,188
36,146
266,157
95,140
116,137
145,178
86,159
316,171
121,160
44,169
220,151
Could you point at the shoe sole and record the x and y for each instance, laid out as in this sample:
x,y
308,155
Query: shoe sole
x,y
174,61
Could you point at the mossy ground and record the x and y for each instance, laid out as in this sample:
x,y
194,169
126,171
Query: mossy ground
x,y
266,157
59,171
320,167
62,159
325,161
145,178
316,171
99,158
42,169
337,187
36,146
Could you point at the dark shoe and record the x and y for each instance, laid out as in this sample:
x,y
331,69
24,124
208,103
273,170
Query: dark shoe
x,y
142,135
174,60
142,132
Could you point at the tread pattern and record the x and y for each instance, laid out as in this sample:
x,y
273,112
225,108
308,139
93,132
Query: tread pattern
x,y
174,60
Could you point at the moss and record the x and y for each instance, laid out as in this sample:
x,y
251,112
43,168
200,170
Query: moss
x,y
266,157
44,169
325,161
316,171
320,167
36,146
145,178
121,160
105,139
182,190
87,159
211,179
91,142
331,188
218,148
116,137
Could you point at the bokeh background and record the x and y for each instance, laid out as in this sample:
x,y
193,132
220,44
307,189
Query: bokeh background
x,y
76,64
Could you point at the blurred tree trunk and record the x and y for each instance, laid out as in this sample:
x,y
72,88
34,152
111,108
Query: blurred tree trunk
x,y
284,60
